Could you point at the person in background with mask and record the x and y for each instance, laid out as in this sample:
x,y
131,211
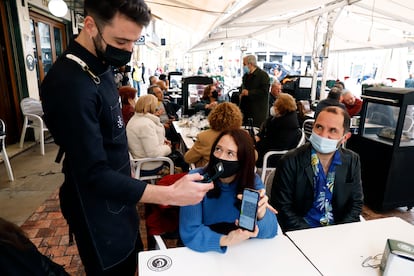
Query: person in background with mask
x,y
81,108
275,90
319,183
208,101
254,96
211,225
281,131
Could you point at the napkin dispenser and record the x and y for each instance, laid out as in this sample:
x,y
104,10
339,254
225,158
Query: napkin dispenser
x,y
398,259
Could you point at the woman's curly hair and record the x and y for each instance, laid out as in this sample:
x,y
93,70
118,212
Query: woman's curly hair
x,y
285,103
225,116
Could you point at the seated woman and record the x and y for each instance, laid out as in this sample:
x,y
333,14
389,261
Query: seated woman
x,y
212,224
208,101
224,117
128,95
281,131
146,134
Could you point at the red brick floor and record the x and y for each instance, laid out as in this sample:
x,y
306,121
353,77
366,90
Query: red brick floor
x,y
48,230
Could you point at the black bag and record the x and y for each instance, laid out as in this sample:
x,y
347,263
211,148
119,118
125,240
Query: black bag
x,y
178,159
235,96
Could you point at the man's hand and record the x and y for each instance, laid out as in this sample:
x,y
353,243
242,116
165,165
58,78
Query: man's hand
x,y
185,191
244,92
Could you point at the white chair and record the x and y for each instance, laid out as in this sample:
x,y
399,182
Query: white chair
x,y
307,127
33,112
302,139
3,150
137,165
268,173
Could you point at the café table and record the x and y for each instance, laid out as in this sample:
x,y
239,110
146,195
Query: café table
x,y
342,249
187,134
277,256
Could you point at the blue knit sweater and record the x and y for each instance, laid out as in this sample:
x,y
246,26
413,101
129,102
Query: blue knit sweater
x,y
195,219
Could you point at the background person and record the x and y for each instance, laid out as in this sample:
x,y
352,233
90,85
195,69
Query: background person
x,y
146,135
128,95
333,99
208,101
352,104
275,90
254,101
319,183
99,197
281,131
211,224
224,117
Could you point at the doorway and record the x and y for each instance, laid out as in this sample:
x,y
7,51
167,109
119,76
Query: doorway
x,y
9,100
48,40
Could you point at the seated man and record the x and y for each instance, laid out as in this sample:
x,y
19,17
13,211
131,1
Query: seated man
x,y
353,105
333,99
319,183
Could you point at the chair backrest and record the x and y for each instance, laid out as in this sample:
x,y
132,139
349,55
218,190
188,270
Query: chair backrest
x,y
268,173
302,139
303,108
137,164
307,127
31,106
2,134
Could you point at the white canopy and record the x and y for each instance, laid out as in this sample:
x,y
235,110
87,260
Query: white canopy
x,y
289,25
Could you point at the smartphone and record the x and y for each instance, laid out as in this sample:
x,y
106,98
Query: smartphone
x,y
248,211
218,170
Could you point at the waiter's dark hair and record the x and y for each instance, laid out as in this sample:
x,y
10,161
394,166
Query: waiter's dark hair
x,y
104,10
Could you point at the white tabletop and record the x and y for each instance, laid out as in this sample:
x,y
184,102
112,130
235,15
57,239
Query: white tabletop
x,y
188,136
341,249
277,256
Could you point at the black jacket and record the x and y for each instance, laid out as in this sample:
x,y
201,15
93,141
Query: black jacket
x,y
256,104
278,133
293,193
85,120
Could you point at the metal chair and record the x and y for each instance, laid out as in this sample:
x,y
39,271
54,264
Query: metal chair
x,y
153,241
137,165
33,112
307,127
268,173
3,150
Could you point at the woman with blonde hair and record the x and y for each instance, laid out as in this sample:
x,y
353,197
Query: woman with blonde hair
x,y
225,116
281,130
146,134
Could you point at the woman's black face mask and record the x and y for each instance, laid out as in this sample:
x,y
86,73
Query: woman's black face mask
x,y
230,167
214,94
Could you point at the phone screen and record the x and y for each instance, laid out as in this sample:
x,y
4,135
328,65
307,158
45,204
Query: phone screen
x,y
248,211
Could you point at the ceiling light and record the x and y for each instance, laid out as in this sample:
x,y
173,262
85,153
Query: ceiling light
x,y
58,8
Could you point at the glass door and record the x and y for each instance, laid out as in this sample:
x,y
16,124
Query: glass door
x,y
48,40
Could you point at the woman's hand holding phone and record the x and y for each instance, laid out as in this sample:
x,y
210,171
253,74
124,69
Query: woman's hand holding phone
x,y
262,204
237,236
